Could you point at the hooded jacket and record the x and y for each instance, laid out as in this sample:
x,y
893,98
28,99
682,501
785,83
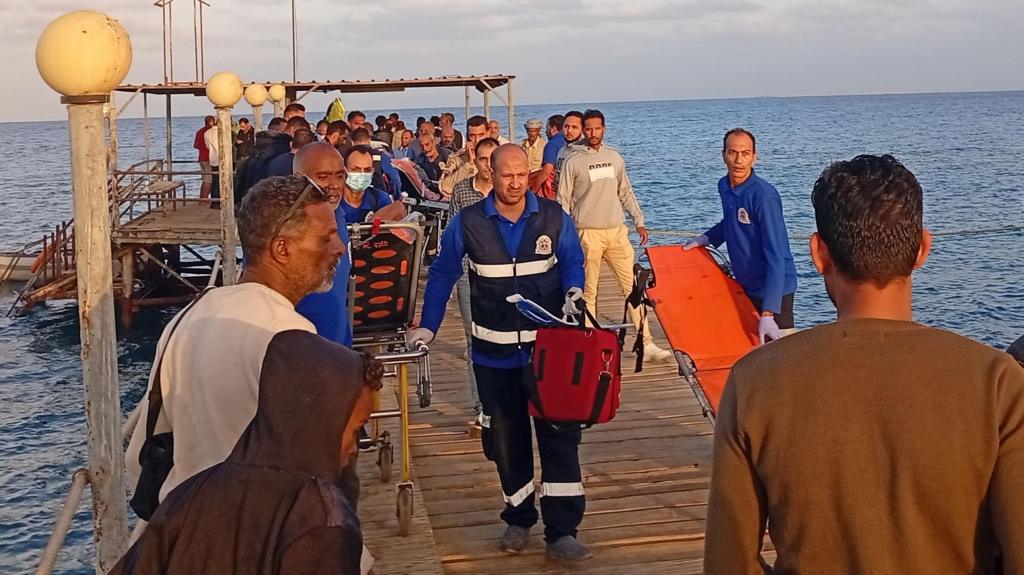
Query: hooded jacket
x,y
272,507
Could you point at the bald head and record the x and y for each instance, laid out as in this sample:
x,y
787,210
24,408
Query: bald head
x,y
505,153
323,164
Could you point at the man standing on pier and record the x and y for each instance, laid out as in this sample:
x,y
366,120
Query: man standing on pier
x,y
755,230
460,165
594,189
874,443
204,156
516,243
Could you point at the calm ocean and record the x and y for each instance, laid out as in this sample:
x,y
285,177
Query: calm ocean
x,y
964,148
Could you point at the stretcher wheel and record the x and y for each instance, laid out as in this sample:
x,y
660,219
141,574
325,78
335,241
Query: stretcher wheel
x,y
423,391
385,460
404,509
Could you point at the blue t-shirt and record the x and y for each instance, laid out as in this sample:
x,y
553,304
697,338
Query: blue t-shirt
x,y
551,149
358,215
329,311
755,230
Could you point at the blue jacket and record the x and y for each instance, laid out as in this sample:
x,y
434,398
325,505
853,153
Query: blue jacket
x,y
373,200
755,230
447,268
329,311
394,183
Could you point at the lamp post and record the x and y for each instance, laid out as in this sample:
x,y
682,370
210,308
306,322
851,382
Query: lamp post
x,y
256,96
83,56
277,94
224,89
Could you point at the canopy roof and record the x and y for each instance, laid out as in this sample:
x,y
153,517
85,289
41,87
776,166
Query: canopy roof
x,y
480,83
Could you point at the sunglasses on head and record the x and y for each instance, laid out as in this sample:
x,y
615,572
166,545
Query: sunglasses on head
x,y
310,190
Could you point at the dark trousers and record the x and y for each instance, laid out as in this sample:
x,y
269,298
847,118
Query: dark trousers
x,y
783,319
508,442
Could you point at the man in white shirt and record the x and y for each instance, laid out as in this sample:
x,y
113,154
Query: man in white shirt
x,y
212,140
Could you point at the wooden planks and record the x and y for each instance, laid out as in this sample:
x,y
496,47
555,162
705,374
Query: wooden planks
x,y
646,473
189,223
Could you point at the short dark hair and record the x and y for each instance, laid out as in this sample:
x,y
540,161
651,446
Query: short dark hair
x,y
302,137
295,107
337,127
475,121
435,120
486,142
556,121
592,114
322,123
355,114
420,120
449,115
264,205
360,149
743,131
297,123
573,114
245,120
380,121
359,134
277,124
869,212
1016,350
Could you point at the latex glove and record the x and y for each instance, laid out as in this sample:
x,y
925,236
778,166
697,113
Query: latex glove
x,y
767,328
418,335
572,296
697,242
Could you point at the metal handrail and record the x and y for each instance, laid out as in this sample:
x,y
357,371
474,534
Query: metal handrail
x,y
64,519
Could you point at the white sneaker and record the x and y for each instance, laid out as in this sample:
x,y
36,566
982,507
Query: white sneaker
x,y
654,353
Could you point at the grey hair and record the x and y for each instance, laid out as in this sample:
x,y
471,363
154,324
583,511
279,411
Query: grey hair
x,y
264,205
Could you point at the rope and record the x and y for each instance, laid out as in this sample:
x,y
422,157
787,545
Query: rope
x,y
942,233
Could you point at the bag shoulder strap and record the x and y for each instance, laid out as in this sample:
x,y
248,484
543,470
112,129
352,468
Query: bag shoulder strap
x,y
156,397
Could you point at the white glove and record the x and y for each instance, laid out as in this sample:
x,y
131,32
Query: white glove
x,y
767,328
418,335
697,242
572,296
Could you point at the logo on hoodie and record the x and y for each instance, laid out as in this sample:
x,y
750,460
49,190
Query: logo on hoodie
x,y
743,216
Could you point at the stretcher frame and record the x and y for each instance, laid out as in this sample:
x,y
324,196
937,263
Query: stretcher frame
x,y
397,354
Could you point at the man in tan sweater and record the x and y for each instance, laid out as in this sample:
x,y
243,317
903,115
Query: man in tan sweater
x,y
873,444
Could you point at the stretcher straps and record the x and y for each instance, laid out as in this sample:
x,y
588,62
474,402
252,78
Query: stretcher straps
x,y
638,299
530,380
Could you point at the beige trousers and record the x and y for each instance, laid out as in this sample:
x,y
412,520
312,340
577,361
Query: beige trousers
x,y
611,246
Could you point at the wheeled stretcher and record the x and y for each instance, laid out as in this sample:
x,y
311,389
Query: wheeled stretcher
x,y
708,319
386,261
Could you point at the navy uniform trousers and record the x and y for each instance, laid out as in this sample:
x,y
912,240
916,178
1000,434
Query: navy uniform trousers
x,y
508,442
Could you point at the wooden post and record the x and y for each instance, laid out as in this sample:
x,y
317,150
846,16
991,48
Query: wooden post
x,y
487,104
96,317
168,130
511,113
469,103
127,288
257,118
112,123
278,109
227,196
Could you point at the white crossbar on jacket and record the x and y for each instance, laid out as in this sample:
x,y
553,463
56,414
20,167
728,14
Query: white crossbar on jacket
x,y
503,337
513,269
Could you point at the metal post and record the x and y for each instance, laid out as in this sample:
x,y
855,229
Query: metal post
x,y
295,53
511,112
112,127
227,196
145,122
170,138
487,104
278,109
469,101
96,322
195,36
257,118
170,40
202,44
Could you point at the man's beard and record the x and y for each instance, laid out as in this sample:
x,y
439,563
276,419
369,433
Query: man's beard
x,y
327,282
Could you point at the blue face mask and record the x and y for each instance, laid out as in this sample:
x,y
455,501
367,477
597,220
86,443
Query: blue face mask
x,y
358,181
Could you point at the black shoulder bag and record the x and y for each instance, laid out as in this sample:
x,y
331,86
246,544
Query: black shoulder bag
x,y
157,454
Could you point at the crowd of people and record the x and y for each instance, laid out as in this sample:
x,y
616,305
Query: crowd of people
x,y
870,444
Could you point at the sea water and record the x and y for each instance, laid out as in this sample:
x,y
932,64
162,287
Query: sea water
x,y
964,149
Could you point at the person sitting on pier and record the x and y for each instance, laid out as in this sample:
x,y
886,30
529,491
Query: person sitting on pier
x,y
282,165
358,198
874,443
510,234
211,367
274,505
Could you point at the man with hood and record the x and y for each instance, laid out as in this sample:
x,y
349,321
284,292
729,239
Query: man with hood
x,y
274,505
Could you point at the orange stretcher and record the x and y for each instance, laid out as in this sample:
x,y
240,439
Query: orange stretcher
x,y
708,319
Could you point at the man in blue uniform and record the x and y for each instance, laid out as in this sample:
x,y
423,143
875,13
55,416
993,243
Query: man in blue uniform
x,y
358,198
516,243
755,230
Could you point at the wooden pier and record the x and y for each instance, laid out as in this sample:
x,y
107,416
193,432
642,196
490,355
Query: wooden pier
x,y
646,475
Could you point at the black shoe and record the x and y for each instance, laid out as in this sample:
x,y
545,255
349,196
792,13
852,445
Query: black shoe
x,y
366,443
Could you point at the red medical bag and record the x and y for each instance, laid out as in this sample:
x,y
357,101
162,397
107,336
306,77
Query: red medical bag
x,y
575,376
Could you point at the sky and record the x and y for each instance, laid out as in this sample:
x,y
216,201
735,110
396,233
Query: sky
x,y
561,51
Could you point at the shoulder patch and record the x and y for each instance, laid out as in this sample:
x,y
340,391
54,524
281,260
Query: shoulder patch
x,y
543,247
743,216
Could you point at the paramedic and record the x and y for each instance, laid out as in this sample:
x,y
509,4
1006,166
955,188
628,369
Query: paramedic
x,y
537,254
754,228
873,443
